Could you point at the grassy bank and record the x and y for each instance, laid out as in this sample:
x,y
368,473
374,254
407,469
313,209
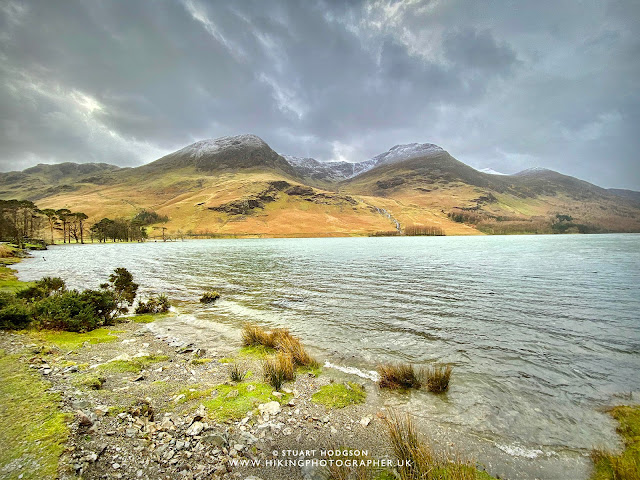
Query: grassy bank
x,y
33,429
625,465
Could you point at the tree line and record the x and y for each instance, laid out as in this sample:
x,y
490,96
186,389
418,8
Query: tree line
x,y
21,221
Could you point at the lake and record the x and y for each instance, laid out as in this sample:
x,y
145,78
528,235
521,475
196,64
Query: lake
x,y
543,331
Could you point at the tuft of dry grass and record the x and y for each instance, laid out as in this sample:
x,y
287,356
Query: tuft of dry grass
x,y
398,376
437,377
5,252
416,458
237,372
279,369
279,339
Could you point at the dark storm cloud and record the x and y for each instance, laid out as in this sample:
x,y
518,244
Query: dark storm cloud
x,y
500,85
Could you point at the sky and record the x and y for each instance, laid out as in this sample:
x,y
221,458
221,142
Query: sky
x,y
506,85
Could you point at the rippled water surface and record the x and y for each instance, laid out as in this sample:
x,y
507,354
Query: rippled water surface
x,y
543,330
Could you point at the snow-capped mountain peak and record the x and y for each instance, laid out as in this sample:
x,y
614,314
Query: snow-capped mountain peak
x,y
211,146
398,153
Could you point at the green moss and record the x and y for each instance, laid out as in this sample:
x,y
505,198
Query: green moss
x,y
147,317
33,428
626,465
226,360
314,370
201,361
8,280
258,351
135,365
195,392
339,395
227,405
72,340
92,381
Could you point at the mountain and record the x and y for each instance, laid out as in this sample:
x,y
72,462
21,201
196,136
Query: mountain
x,y
225,153
240,186
46,180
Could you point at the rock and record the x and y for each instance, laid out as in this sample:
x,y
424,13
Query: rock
x,y
138,378
232,394
251,388
199,415
365,421
277,394
83,419
287,431
216,439
334,430
253,477
247,437
239,447
195,429
71,369
115,466
179,397
269,408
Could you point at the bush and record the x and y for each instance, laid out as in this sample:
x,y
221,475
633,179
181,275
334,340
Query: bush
x,y
14,315
123,288
159,304
209,297
400,376
43,288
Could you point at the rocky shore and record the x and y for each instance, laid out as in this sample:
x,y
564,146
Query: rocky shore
x,y
141,407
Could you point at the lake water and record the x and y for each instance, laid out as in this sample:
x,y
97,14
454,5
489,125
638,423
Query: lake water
x,y
543,331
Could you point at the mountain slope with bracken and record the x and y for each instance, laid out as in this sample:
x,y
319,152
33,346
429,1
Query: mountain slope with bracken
x,y
240,186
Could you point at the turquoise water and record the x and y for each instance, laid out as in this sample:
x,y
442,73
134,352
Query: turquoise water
x,y
543,331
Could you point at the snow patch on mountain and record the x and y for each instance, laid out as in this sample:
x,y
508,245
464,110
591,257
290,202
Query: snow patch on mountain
x,y
211,146
491,171
399,153
344,170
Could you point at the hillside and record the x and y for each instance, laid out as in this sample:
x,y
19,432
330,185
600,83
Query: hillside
x,y
240,186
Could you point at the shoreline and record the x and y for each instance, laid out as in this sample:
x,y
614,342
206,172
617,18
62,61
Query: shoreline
x,y
131,334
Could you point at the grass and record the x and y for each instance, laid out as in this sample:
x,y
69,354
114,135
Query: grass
x,y
8,280
209,297
92,381
279,369
625,465
232,402
256,351
227,359
135,365
237,372
398,376
421,461
201,361
437,377
279,339
339,395
147,317
403,376
195,392
33,428
72,340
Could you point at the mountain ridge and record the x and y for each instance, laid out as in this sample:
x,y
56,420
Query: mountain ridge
x,y
239,185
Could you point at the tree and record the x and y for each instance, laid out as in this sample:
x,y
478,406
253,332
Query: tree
x,y
80,218
64,214
50,213
123,288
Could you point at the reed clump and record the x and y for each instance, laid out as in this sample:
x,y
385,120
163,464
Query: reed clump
x,y
209,297
279,369
417,459
398,376
237,372
436,377
279,339
403,376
